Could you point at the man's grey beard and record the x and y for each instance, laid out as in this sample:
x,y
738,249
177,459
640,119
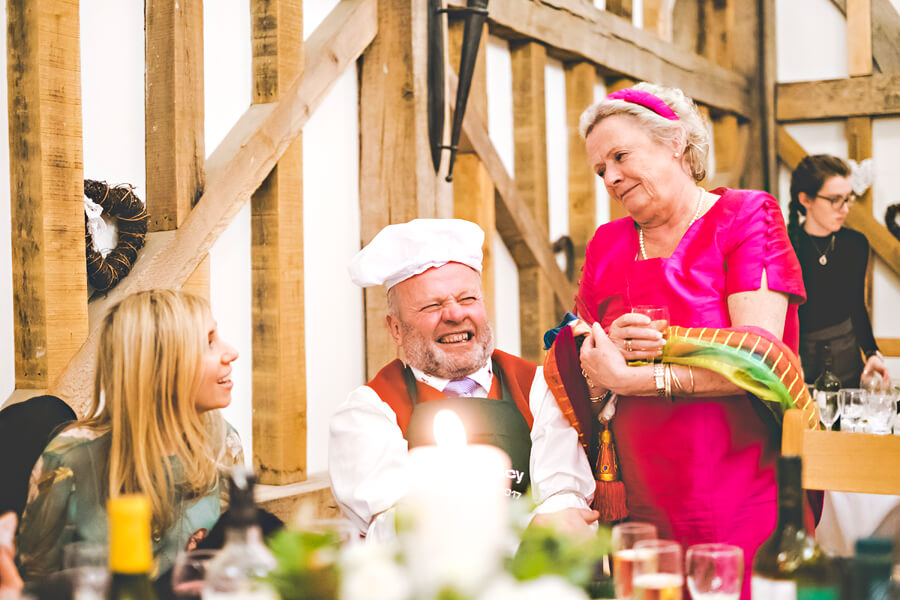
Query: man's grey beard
x,y
426,355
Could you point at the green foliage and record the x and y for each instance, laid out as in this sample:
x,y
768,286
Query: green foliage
x,y
306,564
544,551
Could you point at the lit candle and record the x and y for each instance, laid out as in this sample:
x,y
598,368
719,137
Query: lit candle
x,y
453,520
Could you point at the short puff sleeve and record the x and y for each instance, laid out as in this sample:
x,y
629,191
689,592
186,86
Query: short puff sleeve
x,y
758,241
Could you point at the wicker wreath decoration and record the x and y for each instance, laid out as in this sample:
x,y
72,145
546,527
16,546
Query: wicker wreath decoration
x,y
131,223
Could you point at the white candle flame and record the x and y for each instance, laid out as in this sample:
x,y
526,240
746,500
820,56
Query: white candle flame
x,y
448,429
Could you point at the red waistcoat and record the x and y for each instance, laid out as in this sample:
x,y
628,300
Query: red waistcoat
x,y
517,373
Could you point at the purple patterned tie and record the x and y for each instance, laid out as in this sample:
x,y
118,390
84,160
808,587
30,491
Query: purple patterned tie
x,y
461,386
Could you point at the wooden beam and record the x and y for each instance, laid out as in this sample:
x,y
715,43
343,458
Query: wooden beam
x,y
859,37
885,31
874,95
789,150
578,31
311,498
581,77
658,18
537,311
889,346
396,176
473,190
276,257
859,148
234,171
885,245
173,118
730,141
198,282
746,53
769,87
173,105
50,317
621,8
513,217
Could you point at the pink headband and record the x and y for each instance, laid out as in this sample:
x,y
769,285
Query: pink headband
x,y
645,99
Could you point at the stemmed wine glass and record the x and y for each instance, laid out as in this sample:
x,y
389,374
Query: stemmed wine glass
x,y
829,408
715,571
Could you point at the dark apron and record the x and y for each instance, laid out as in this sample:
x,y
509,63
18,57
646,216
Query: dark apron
x,y
497,423
845,355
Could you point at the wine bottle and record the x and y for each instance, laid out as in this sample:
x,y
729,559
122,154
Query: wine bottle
x,y
789,565
827,381
238,571
130,549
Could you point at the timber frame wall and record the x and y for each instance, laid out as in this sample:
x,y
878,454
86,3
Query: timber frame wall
x,y
871,90
192,201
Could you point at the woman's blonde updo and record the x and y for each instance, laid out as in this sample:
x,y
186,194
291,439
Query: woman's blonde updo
x,y
689,132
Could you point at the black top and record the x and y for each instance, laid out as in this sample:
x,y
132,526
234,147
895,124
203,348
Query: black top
x,y
835,290
25,429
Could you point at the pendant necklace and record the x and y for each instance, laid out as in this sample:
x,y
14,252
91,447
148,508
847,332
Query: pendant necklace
x,y
823,256
693,219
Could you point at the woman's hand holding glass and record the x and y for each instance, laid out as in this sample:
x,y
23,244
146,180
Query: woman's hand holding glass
x,y
604,365
638,334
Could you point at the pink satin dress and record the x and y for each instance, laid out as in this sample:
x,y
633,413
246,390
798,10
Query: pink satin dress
x,y
702,470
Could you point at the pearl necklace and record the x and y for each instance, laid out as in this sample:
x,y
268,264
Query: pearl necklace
x,y
693,219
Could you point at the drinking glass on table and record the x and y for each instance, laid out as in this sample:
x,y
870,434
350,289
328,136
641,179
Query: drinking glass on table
x,y
624,537
189,572
829,407
86,564
881,407
852,405
714,571
658,570
659,319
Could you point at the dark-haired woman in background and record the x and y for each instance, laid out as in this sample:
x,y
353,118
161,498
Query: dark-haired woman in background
x,y
833,259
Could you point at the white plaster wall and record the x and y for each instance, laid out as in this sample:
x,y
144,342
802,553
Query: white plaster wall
x,y
811,40
500,129
557,154
602,196
227,79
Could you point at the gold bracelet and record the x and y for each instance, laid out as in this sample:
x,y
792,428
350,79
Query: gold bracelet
x,y
676,382
600,398
691,371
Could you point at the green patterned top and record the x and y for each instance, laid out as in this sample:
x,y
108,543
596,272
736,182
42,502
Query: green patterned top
x,y
67,503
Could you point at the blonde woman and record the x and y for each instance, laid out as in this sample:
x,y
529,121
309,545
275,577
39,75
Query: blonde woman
x,y
162,371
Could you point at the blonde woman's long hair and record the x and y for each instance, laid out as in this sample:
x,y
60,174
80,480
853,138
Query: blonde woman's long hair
x,y
148,367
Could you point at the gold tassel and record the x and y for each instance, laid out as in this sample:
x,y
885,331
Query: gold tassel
x,y
609,496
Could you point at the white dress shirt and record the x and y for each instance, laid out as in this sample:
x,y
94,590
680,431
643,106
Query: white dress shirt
x,y
367,455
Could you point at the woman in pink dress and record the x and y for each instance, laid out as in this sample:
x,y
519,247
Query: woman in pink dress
x,y
696,453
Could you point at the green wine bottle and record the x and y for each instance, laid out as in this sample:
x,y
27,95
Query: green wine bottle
x,y
130,550
790,565
827,381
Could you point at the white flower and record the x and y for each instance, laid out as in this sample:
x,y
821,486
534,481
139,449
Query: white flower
x,y
369,572
547,586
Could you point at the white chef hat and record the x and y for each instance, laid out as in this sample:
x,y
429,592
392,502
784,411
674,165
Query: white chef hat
x,y
403,250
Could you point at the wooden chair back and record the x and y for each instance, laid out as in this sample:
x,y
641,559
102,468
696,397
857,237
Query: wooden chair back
x,y
846,462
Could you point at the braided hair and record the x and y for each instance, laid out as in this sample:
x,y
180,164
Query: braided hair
x,y
810,175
